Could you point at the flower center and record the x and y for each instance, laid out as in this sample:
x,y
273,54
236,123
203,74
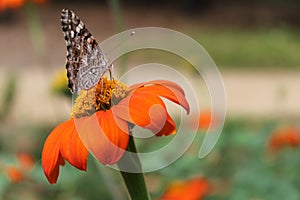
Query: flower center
x,y
100,97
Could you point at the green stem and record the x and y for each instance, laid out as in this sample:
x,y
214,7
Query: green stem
x,y
35,29
9,93
116,9
135,182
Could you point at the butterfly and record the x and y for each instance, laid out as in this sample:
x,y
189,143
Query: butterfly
x,y
86,63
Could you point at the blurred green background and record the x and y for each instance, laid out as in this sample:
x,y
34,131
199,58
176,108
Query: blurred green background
x,y
256,46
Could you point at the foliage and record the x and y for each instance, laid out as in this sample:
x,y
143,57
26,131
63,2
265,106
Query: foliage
x,y
261,47
240,166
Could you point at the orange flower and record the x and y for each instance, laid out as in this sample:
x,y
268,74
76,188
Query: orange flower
x,y
26,161
206,119
194,189
283,137
13,4
17,172
105,133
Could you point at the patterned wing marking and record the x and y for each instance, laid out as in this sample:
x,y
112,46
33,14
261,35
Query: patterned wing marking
x,y
86,62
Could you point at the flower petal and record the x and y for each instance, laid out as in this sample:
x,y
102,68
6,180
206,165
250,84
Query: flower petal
x,y
62,144
169,127
166,89
145,111
105,135
51,155
144,107
165,83
72,148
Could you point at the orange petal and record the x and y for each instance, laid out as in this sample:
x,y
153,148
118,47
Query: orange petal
x,y
147,111
51,154
62,144
166,89
104,135
169,127
165,83
71,146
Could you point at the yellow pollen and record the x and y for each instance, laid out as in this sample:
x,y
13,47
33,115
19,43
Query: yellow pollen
x,y
100,97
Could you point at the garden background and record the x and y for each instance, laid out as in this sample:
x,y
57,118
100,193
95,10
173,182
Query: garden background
x,y
255,45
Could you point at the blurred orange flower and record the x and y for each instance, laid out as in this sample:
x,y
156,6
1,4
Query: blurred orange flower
x,y
204,120
194,189
284,137
16,173
15,4
12,4
117,108
26,161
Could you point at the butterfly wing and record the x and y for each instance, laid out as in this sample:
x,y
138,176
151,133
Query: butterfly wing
x,y
86,63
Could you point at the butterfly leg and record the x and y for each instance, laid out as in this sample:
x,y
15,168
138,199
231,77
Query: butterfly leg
x,y
102,82
110,70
